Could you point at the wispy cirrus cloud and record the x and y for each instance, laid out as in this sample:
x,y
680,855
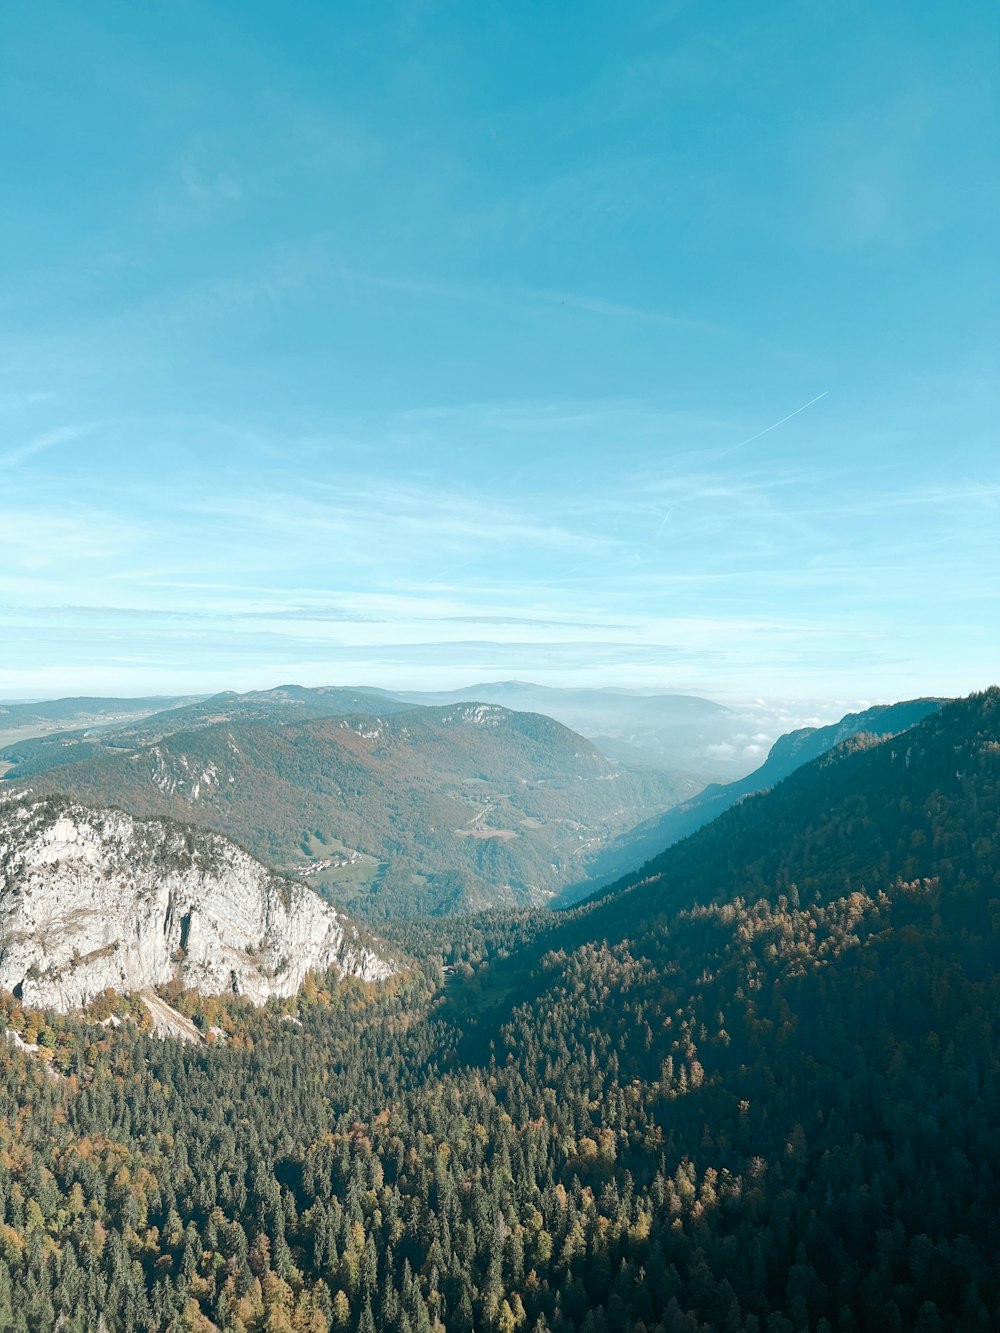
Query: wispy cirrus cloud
x,y
378,521
62,542
517,297
51,439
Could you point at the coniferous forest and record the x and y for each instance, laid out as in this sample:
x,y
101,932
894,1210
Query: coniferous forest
x,y
753,1088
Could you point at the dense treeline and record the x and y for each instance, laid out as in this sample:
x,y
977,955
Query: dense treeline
x,y
756,1092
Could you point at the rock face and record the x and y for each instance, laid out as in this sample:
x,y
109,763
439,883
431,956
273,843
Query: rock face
x,y
92,899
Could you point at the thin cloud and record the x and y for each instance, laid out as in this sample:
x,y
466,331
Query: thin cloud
x,y
42,443
10,403
515,297
357,515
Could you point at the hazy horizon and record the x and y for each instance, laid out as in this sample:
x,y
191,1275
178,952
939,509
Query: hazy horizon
x,y
755,723
433,685
101,682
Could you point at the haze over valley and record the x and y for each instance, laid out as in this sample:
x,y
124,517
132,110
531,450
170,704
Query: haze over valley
x,y
396,808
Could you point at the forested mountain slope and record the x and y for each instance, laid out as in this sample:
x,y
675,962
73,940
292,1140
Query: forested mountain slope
x,y
423,810
756,1091
788,753
868,809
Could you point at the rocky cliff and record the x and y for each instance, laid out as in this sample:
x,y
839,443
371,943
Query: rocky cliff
x,y
91,899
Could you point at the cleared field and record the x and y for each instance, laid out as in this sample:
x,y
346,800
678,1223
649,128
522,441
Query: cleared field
x,y
29,732
327,863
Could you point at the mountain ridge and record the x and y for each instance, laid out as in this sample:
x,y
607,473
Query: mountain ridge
x,y
891,834
463,805
674,731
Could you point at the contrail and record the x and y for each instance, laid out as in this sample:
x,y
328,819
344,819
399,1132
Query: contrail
x,y
733,447
774,425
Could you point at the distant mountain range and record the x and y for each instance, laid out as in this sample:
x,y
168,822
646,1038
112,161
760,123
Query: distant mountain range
x,y
679,732
394,807
122,728
412,809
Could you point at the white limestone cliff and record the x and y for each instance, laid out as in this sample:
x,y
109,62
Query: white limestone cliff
x,y
95,899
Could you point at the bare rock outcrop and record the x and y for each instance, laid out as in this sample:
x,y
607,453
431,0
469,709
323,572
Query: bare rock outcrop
x,y
92,899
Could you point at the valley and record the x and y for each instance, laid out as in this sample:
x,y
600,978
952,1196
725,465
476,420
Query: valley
x,y
693,1101
407,811
28,721
789,753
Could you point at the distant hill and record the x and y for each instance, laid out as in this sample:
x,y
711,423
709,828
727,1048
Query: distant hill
x,y
679,732
84,709
143,726
787,754
412,810
21,722
40,751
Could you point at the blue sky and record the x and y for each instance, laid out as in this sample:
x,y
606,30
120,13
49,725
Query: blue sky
x,y
419,344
